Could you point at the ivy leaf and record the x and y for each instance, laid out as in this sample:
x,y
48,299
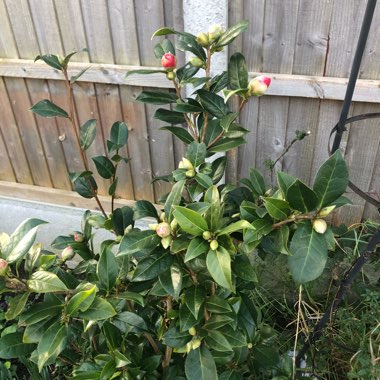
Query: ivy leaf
x,y
46,108
219,265
308,254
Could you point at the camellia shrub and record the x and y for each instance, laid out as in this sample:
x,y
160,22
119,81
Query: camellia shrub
x,y
174,300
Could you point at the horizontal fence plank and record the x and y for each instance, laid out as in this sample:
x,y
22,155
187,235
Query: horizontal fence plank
x,y
304,86
58,197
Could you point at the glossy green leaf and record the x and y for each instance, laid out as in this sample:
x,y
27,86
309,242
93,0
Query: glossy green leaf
x,y
188,42
40,311
12,346
237,226
231,33
186,318
196,153
176,338
242,268
174,198
188,107
87,133
152,266
200,365
163,32
85,185
219,265
213,214
331,180
144,72
16,305
168,116
281,240
108,370
133,320
157,97
218,305
74,78
235,337
118,136
301,197
121,219
277,208
284,181
33,333
308,254
197,247
217,341
46,108
82,300
218,168
171,280
257,181
179,132
51,60
144,209
212,103
104,166
107,269
237,72
21,240
226,144
99,309
53,342
45,282
190,221
112,188
217,321
136,241
194,298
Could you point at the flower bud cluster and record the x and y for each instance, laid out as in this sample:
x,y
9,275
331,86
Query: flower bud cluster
x,y
206,39
207,235
186,164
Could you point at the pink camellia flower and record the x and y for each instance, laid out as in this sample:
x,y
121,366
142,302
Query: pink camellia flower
x,y
163,230
3,267
259,85
168,61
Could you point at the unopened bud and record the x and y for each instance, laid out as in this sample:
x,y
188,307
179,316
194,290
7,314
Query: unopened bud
x,y
128,229
258,86
214,245
192,331
153,226
249,345
3,267
196,62
168,61
195,343
190,173
326,211
174,224
206,235
163,217
214,32
163,230
170,75
78,237
320,226
202,39
166,241
187,164
67,254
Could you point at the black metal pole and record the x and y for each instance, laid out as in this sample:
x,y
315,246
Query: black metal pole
x,y
367,20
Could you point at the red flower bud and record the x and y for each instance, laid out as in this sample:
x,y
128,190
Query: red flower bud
x,y
168,61
259,85
3,267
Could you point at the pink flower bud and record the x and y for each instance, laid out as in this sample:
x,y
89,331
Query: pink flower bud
x,y
168,61
259,85
78,237
3,267
163,230
67,254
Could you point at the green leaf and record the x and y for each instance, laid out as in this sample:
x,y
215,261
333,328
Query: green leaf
x,y
217,169
212,103
237,226
188,107
74,78
99,309
187,42
226,144
308,254
243,269
227,120
281,240
118,136
331,180
174,198
85,185
157,97
200,365
180,132
46,108
204,180
16,306
219,265
132,319
277,208
33,333
257,181
121,219
45,282
53,342
186,318
12,346
136,241
231,33
218,305
194,298
51,60
167,47
171,280
217,321
107,269
144,72
168,116
284,181
190,221
214,213
237,72
108,370
82,300
234,337
163,32
21,240
301,197
87,133
196,153
217,341
197,247
175,338
104,166
152,266
144,209
40,311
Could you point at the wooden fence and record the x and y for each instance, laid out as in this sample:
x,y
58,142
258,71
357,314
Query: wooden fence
x,y
306,45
